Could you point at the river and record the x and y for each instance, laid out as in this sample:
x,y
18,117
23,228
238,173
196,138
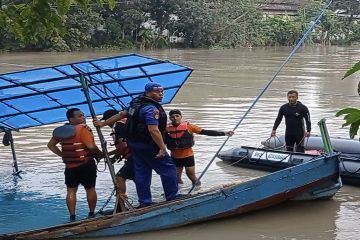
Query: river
x,y
222,87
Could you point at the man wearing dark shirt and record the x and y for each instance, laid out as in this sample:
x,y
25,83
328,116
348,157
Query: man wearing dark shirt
x,y
295,113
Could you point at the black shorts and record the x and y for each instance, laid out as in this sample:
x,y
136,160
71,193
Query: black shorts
x,y
127,171
84,175
185,162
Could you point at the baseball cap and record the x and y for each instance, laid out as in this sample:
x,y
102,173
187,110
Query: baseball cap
x,y
153,86
108,114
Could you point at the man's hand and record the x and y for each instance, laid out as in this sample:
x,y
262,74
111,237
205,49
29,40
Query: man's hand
x,y
99,156
229,133
307,134
273,133
98,123
161,153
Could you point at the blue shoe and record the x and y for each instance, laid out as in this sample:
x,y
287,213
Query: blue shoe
x,y
72,218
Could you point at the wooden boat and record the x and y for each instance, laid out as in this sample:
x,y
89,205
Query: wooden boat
x,y
316,179
274,157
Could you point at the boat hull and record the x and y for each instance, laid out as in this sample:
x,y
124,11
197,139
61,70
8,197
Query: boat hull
x,y
300,180
274,160
349,147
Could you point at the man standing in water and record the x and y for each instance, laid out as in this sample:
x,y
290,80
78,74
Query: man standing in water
x,y
295,112
77,152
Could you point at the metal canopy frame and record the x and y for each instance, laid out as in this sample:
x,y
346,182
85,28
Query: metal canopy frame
x,y
110,87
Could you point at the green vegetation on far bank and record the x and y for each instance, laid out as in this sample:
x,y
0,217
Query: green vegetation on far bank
x,y
65,25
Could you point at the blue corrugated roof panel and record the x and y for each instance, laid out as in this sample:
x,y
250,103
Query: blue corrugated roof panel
x,y
42,96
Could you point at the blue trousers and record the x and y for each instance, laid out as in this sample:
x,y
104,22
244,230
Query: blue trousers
x,y
144,162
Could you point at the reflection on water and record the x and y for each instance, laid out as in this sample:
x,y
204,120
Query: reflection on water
x,y
222,87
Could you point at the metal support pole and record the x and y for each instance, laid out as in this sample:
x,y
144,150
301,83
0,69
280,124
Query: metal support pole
x,y
16,170
325,136
120,199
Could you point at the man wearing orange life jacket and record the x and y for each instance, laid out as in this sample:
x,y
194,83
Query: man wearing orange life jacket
x,y
180,139
122,150
77,152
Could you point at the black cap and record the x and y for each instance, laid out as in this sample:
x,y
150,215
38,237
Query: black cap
x,y
108,114
174,111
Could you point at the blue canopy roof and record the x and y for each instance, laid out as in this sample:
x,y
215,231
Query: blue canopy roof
x,y
42,96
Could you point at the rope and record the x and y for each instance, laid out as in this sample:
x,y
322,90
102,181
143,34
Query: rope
x,y
101,210
297,46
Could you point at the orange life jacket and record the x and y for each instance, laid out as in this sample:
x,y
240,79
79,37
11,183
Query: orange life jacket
x,y
73,150
179,137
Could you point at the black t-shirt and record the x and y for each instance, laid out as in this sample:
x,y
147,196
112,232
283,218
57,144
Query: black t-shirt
x,y
120,130
294,118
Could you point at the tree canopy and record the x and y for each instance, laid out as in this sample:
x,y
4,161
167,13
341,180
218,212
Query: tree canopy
x,y
66,25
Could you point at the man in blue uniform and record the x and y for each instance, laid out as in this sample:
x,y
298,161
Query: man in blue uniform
x,y
146,130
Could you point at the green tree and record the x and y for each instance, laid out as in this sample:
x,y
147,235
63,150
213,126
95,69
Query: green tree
x,y
80,27
161,11
121,25
193,23
236,23
38,20
282,31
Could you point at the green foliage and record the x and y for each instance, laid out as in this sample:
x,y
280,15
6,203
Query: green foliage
x,y
352,118
38,20
236,24
282,31
352,115
160,11
352,70
63,6
66,25
32,22
193,23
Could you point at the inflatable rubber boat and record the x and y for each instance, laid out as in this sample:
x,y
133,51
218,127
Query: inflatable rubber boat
x,y
273,156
